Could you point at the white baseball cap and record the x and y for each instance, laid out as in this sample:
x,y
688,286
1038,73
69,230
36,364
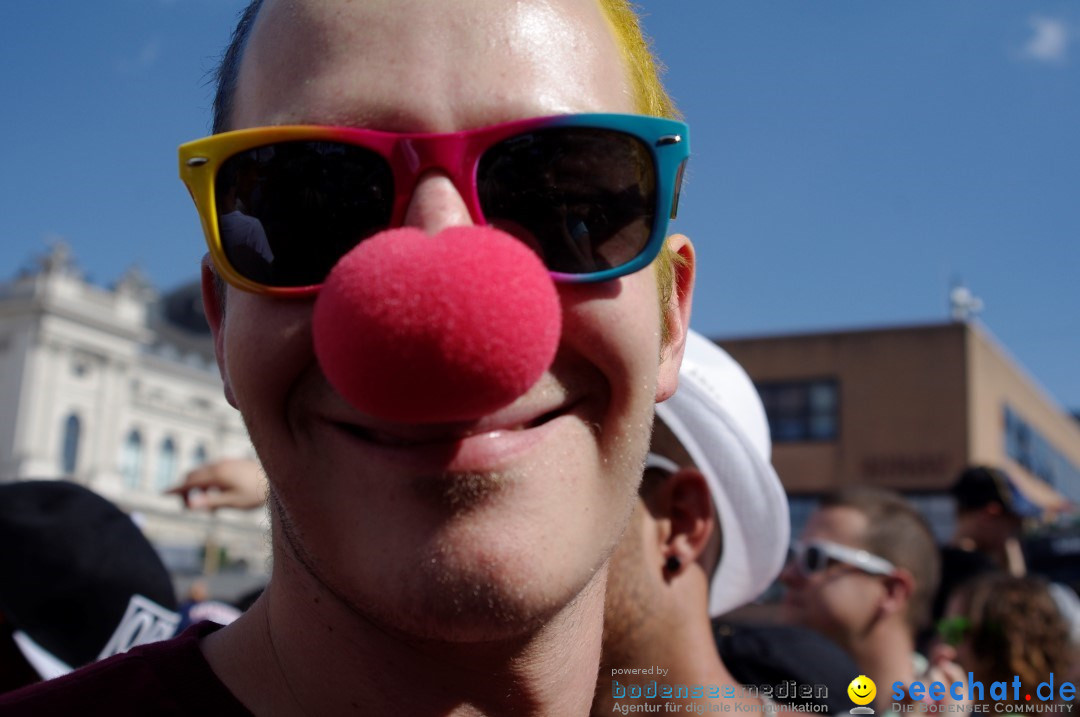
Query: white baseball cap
x,y
718,417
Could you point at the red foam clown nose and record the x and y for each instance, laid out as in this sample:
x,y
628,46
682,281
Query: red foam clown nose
x,y
418,329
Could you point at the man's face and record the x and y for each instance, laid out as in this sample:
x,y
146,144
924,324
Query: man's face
x,y
995,526
523,515
840,601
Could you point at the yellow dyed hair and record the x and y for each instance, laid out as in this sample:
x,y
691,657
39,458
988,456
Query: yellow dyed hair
x,y
651,99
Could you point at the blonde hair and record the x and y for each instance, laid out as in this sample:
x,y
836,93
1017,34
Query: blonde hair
x,y
651,98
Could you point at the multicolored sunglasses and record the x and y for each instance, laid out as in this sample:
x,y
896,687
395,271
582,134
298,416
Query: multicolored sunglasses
x,y
591,194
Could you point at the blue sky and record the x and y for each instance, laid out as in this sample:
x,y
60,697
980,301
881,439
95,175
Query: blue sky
x,y
851,159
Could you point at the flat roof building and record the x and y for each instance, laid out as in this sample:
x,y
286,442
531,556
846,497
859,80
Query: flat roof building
x,y
907,408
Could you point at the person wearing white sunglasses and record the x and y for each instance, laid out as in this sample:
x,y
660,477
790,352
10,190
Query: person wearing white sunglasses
x,y
863,574
817,555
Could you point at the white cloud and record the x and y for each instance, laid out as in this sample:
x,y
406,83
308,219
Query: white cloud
x,y
1049,41
143,60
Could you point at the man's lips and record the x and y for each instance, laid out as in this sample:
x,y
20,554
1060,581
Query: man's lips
x,y
511,419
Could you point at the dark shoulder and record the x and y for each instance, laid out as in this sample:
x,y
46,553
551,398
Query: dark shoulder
x,y
164,678
970,561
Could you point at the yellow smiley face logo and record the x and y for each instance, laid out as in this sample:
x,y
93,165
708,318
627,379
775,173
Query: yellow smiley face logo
x,y
862,690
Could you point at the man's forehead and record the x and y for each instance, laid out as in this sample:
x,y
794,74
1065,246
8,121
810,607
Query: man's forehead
x,y
314,61
841,524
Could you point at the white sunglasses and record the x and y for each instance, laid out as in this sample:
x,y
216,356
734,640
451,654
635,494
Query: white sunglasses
x,y
662,463
814,556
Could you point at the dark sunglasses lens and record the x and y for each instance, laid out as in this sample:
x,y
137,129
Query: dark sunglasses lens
x,y
288,211
814,560
583,198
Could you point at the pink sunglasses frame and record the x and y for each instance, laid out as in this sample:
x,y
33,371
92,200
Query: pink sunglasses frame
x,y
457,154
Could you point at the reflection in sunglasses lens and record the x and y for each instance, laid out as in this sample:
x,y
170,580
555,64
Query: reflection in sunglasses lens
x,y
583,198
288,212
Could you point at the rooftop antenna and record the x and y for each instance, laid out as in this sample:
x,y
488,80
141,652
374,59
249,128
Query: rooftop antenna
x,y
963,305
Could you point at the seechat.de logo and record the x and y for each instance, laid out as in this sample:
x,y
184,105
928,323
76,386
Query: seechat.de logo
x,y
1011,695
862,692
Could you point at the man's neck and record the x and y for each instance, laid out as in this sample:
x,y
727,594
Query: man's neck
x,y
321,657
885,656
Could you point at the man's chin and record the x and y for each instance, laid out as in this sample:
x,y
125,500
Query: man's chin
x,y
472,606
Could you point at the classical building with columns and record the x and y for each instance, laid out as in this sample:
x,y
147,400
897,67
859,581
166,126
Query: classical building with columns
x,y
117,389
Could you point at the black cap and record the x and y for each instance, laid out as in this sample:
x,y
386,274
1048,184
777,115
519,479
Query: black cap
x,y
977,486
79,579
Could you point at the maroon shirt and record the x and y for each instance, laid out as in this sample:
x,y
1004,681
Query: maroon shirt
x,y
163,678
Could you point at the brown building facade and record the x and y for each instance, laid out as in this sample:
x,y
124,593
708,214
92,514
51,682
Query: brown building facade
x,y
907,409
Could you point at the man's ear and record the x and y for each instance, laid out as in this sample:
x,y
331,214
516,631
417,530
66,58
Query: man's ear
x,y
682,505
676,316
213,295
899,587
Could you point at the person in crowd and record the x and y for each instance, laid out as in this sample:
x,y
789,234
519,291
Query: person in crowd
x,y
453,413
80,582
1068,604
199,606
238,483
999,628
709,533
863,574
990,512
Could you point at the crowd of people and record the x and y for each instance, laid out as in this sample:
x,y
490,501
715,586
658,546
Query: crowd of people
x,y
483,190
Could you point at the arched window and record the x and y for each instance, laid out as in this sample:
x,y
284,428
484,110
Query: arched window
x,y
69,457
198,456
166,467
131,459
